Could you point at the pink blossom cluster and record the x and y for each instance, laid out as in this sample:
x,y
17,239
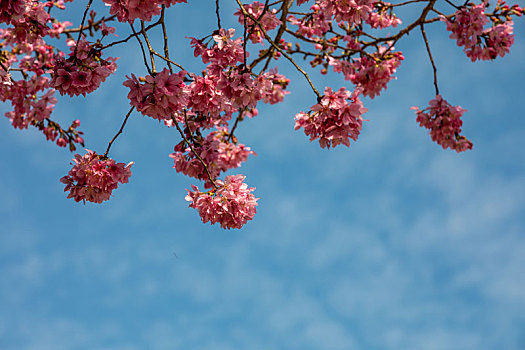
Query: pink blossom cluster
x,y
83,71
354,12
382,18
351,11
373,72
158,96
93,177
28,27
335,120
129,10
12,10
227,87
29,105
479,43
231,205
276,92
217,150
266,19
70,137
444,122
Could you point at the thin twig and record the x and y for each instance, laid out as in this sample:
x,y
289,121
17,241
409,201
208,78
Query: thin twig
x,y
141,47
165,34
430,56
239,118
82,26
143,31
119,132
218,15
167,60
190,144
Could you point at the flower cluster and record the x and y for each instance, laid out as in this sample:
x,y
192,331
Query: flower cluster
x,y
335,120
158,96
83,71
12,10
467,28
444,122
129,10
93,177
231,204
216,150
371,73
266,19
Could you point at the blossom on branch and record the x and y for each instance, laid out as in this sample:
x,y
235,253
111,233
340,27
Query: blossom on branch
x,y
444,122
335,120
231,204
93,177
83,71
158,96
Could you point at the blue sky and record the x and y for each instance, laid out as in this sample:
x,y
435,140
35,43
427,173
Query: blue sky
x,y
393,243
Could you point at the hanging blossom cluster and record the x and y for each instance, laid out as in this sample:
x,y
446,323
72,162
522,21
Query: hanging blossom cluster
x,y
217,150
266,19
84,70
467,28
93,177
231,204
444,122
335,120
129,10
158,96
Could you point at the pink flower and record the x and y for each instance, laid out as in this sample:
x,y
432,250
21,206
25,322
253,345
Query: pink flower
x,y
488,44
268,21
83,73
372,74
158,96
231,205
216,150
93,177
444,122
335,120
12,10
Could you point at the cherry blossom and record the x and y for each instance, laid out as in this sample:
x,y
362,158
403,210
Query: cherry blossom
x,y
335,120
444,122
231,204
93,177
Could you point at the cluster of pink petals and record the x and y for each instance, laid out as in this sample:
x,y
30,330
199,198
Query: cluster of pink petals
x,y
93,177
226,87
216,150
372,74
30,26
479,43
275,93
317,24
382,18
335,120
467,25
82,73
498,41
351,11
231,205
129,10
268,20
29,107
12,10
444,122
159,96
205,98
